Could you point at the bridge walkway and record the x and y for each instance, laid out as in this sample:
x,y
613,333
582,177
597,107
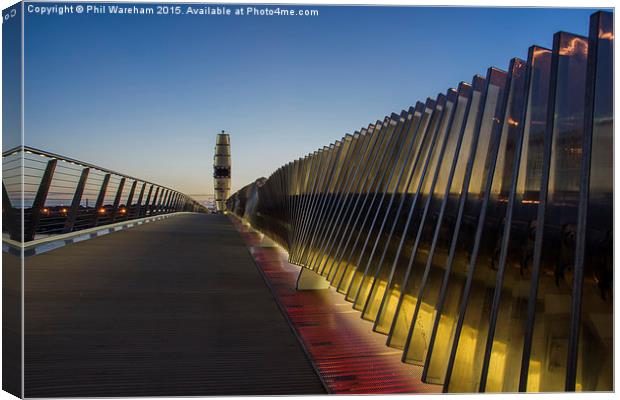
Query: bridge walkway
x,y
174,307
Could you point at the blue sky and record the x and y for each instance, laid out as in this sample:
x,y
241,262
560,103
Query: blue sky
x,y
146,95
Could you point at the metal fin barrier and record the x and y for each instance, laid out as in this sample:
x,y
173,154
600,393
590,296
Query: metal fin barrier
x,y
45,194
474,230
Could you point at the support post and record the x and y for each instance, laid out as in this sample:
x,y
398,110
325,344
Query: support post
x,y
39,200
75,203
173,204
100,198
132,192
144,209
136,210
152,205
117,198
169,201
161,209
14,226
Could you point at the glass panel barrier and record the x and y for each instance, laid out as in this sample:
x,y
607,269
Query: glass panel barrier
x,y
381,210
469,203
349,259
409,303
351,174
370,138
398,242
549,305
439,132
504,343
352,279
594,363
378,258
474,230
469,347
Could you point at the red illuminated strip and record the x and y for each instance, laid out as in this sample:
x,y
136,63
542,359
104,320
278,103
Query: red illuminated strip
x,y
350,358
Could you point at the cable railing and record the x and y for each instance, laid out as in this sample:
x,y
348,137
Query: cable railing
x,y
475,229
57,194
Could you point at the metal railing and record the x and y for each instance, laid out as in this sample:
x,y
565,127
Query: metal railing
x,y
475,230
57,194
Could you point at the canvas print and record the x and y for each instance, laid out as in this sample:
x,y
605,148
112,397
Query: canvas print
x,y
298,199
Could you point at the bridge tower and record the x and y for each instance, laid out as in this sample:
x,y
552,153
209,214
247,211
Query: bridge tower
x,y
221,170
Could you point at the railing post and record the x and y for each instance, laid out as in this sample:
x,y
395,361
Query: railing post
x,y
166,209
164,204
144,209
162,201
160,204
39,200
75,203
14,226
171,201
135,210
100,198
132,191
175,204
152,205
117,198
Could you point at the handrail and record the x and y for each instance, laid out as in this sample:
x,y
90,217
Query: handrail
x,y
52,197
34,150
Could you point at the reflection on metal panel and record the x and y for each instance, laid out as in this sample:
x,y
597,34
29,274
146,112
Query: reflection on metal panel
x,y
473,230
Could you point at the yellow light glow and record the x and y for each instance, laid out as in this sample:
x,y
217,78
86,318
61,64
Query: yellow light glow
x,y
363,292
348,275
468,352
441,350
497,366
533,378
403,318
375,301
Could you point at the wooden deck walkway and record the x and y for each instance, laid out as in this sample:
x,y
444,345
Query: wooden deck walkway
x,y
171,308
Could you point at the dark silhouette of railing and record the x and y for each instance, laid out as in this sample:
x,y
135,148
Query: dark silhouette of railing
x,y
56,194
475,230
